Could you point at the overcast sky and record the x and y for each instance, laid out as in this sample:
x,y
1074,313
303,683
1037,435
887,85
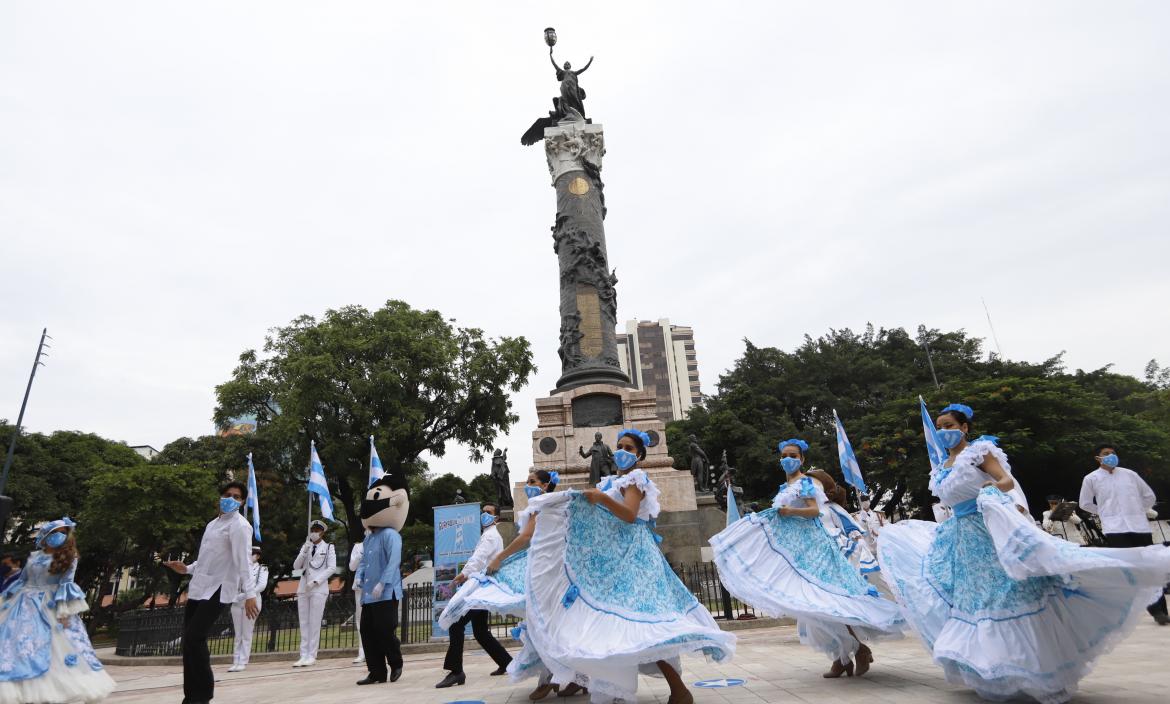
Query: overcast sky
x,y
176,178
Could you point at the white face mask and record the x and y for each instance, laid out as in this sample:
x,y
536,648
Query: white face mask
x,y
255,558
315,537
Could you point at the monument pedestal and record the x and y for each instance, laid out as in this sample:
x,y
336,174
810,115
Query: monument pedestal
x,y
567,422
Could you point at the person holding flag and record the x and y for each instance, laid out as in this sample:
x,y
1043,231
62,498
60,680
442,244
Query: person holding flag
x,y
1003,607
317,561
786,562
242,626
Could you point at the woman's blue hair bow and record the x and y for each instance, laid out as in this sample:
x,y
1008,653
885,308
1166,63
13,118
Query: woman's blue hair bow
x,y
554,477
641,435
965,410
793,441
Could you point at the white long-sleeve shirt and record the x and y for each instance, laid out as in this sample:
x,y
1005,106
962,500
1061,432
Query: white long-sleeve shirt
x,y
1121,498
490,544
318,562
355,563
225,559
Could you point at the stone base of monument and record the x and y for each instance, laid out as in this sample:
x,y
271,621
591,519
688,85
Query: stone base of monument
x,y
567,423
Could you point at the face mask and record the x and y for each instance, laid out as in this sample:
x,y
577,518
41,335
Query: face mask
x,y
55,540
1109,460
227,504
255,558
533,491
950,437
624,459
790,464
315,537
486,519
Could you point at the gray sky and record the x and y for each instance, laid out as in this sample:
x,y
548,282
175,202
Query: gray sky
x,y
176,178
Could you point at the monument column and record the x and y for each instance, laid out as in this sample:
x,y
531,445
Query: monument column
x,y
588,300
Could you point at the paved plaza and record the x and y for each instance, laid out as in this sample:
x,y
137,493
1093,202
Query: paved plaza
x,y
772,664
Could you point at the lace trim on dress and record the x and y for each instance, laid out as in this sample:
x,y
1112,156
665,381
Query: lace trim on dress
x,y
649,508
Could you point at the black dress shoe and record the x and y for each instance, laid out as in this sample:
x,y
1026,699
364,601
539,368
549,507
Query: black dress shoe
x,y
452,679
370,679
501,670
395,674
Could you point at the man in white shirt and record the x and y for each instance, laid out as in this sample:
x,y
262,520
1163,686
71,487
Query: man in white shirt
x,y
1069,529
871,522
490,544
317,561
217,577
241,624
355,566
1124,501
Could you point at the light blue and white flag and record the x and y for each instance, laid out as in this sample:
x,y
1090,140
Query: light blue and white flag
x,y
732,507
376,471
253,499
849,467
317,483
934,448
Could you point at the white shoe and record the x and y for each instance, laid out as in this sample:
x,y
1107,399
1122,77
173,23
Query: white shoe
x,y
309,662
359,660
299,663
237,668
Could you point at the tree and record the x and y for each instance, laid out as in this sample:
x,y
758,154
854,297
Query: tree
x,y
408,377
1047,419
482,489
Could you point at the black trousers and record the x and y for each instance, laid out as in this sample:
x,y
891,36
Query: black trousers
x,y
378,629
198,619
1137,540
483,635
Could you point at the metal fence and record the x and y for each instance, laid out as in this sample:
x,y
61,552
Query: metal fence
x,y
159,631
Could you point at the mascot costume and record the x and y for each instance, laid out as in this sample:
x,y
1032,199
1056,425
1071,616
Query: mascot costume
x,y
384,512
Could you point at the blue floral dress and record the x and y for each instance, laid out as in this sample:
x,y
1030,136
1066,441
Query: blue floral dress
x,y
45,654
603,603
791,566
1003,607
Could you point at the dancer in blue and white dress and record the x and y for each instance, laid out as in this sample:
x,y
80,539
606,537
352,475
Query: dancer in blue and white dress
x,y
1003,607
45,654
786,562
603,603
850,536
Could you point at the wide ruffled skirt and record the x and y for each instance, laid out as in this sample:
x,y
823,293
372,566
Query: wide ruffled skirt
x,y
1008,610
501,593
41,661
788,566
604,604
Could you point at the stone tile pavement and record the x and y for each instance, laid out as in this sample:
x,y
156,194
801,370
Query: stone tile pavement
x,y
775,667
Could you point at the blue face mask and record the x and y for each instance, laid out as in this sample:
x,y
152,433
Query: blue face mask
x,y
486,519
950,437
790,465
227,504
624,459
55,540
533,491
1109,460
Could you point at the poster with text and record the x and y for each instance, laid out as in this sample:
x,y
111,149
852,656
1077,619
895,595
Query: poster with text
x,y
456,533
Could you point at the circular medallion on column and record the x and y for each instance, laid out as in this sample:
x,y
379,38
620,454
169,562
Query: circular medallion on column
x,y
548,445
653,437
579,186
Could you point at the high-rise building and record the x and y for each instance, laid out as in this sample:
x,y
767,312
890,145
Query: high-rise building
x,y
660,357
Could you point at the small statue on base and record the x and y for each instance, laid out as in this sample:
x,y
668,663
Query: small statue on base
x,y
571,103
601,459
699,465
500,479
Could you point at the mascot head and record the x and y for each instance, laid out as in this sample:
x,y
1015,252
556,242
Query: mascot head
x,y
386,503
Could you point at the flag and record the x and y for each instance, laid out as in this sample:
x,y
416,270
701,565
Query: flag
x,y
376,471
849,467
934,448
253,499
732,507
317,484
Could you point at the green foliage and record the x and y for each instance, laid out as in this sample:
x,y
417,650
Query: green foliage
x,y
482,489
426,494
408,377
417,539
1047,420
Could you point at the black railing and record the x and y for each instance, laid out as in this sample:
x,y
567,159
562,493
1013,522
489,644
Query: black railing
x,y
702,579
159,631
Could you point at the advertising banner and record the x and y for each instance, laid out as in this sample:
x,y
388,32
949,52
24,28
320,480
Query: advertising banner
x,y
456,533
